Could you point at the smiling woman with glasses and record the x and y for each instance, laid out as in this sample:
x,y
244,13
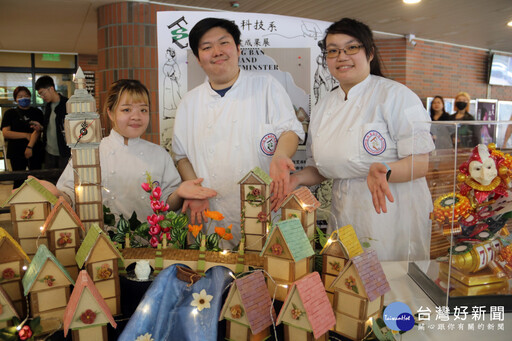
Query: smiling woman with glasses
x,y
361,135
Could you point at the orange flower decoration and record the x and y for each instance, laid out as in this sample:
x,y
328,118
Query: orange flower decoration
x,y
224,233
214,215
195,229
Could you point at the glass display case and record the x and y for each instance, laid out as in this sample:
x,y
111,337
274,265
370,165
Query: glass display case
x,y
470,245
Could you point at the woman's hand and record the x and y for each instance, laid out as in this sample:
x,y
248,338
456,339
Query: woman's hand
x,y
28,153
197,208
276,202
378,186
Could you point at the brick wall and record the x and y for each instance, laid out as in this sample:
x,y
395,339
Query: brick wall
x,y
431,69
127,49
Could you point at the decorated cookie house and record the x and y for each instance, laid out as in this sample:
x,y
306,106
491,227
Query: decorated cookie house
x,y
48,284
340,247
307,313
7,310
100,258
288,255
359,294
248,308
87,314
63,228
13,263
255,207
301,204
30,205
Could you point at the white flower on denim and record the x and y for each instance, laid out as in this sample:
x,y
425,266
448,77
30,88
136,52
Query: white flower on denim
x,y
145,337
201,300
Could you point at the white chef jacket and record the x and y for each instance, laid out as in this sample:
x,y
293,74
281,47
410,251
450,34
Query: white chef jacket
x,y
225,137
123,170
375,124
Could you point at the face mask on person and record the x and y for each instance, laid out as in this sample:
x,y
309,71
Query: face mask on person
x,y
461,105
24,102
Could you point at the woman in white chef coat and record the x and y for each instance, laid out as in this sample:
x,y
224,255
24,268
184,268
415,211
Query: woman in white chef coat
x,y
362,133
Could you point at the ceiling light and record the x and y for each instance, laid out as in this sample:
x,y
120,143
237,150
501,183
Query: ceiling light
x,y
411,2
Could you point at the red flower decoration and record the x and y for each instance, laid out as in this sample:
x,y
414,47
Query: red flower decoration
x,y
155,230
8,273
224,233
65,238
25,333
156,194
256,192
146,187
277,249
262,216
154,241
88,316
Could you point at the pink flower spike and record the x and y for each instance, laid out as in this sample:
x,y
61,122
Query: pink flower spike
x,y
146,187
166,229
157,193
156,206
165,208
154,219
154,241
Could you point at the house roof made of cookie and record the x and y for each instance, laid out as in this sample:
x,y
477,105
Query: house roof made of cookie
x,y
259,173
348,239
8,310
305,198
316,303
40,258
90,240
7,239
59,206
294,237
84,282
32,183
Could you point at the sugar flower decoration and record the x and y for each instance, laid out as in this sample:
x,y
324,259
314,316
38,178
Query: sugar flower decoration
x,y
201,300
213,215
224,233
145,337
195,229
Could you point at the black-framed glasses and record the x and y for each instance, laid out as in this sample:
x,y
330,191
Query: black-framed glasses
x,y
349,50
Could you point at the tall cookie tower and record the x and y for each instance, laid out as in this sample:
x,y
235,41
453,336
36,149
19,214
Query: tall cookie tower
x,y
83,136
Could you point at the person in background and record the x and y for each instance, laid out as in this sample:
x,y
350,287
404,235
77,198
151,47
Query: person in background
x,y
440,133
437,110
508,132
467,134
361,135
234,121
57,152
21,130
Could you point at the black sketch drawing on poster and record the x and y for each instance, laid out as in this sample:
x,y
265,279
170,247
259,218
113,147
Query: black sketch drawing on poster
x,y
172,75
324,82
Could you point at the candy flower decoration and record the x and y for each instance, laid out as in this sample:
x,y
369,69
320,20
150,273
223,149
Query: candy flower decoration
x,y
201,300
25,333
88,317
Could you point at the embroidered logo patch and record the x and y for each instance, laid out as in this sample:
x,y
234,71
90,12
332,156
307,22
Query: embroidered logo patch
x,y
374,143
268,144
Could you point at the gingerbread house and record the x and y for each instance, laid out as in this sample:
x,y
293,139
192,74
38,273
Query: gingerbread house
x,y
307,313
7,310
30,206
62,228
255,207
48,284
359,294
100,258
302,204
288,256
340,247
13,263
248,309
87,313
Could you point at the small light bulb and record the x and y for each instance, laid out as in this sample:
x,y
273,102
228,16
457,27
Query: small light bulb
x,y
194,312
24,267
284,286
232,275
224,252
41,228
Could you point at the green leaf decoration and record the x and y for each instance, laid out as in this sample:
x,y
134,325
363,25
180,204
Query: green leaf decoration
x,y
171,215
118,237
251,187
365,244
354,288
123,226
142,230
322,238
165,223
108,218
180,221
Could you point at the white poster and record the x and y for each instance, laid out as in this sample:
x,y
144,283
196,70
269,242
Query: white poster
x,y
286,47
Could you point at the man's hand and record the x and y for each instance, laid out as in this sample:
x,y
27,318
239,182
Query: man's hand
x,y
28,153
280,169
197,208
378,186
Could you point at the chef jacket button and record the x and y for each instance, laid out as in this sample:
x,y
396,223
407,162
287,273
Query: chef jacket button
x,y
113,198
142,197
112,172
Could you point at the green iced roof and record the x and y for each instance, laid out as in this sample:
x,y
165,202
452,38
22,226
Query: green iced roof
x,y
88,243
294,236
42,255
260,173
32,182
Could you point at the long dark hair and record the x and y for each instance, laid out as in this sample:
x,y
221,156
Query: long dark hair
x,y
362,33
432,112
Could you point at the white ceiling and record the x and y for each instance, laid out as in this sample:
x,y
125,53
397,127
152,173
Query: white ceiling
x,y
71,25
